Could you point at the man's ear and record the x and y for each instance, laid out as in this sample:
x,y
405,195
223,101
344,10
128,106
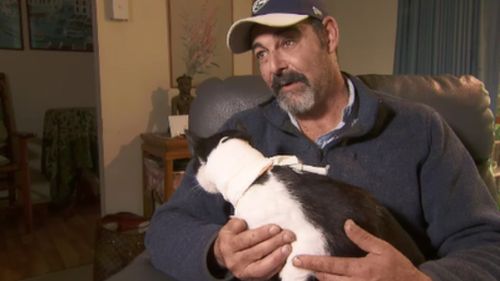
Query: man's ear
x,y
332,31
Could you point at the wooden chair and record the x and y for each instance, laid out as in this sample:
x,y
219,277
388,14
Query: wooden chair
x,y
14,171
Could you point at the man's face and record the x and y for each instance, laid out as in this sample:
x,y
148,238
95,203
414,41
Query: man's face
x,y
294,64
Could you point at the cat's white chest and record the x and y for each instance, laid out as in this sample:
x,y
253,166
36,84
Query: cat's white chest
x,y
272,203
263,204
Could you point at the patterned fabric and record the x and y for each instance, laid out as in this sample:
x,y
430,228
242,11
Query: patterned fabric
x,y
119,239
69,146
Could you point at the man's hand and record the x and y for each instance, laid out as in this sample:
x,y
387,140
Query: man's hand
x,y
383,261
255,254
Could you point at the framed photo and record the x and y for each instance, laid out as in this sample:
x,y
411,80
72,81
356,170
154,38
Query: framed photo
x,y
197,30
62,25
11,32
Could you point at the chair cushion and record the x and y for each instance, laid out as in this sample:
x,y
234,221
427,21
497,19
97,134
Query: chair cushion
x,y
217,100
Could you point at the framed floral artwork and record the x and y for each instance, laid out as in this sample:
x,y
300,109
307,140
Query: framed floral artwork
x,y
61,25
197,30
11,34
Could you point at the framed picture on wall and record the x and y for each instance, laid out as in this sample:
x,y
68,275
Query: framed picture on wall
x,y
11,32
197,30
62,25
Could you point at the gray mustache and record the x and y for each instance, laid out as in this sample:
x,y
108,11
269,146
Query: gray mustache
x,y
287,78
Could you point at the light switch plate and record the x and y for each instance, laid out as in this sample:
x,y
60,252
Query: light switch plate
x,y
119,9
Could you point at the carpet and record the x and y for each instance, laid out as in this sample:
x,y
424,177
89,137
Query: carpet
x,y
82,273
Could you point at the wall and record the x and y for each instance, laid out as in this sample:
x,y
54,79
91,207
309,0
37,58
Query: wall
x,y
367,34
242,62
40,80
134,95
134,77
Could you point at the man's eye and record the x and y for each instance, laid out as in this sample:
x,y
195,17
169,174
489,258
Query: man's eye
x,y
288,43
260,55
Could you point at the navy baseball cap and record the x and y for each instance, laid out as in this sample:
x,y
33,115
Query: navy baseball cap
x,y
273,13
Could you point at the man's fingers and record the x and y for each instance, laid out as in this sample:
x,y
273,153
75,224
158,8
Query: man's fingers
x,y
244,238
272,263
330,277
268,246
253,237
363,239
235,226
327,264
255,254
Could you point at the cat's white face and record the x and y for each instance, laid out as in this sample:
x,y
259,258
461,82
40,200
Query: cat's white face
x,y
219,158
229,167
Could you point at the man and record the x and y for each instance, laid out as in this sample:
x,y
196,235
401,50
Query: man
x,y
326,117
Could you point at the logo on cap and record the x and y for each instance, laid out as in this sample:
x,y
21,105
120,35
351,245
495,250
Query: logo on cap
x,y
258,5
317,12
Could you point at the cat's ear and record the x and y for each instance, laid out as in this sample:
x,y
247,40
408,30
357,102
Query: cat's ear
x,y
241,127
243,132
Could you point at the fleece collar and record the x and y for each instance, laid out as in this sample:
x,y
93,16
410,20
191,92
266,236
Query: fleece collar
x,y
366,109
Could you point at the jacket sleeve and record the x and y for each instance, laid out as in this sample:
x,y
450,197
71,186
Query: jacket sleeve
x,y
182,231
462,216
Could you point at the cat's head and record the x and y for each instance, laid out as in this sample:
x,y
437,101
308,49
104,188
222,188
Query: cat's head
x,y
203,148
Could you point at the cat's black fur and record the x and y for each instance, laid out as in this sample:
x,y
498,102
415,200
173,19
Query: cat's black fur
x,y
327,204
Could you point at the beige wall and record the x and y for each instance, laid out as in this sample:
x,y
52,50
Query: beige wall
x,y
242,62
367,34
40,80
134,78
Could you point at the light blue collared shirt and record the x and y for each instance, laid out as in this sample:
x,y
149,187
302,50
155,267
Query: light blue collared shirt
x,y
332,135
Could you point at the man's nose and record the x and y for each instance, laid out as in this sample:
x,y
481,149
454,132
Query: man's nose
x,y
277,63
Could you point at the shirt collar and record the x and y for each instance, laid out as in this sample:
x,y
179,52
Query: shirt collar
x,y
323,140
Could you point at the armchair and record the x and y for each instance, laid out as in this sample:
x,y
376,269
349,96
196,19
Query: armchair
x,y
462,101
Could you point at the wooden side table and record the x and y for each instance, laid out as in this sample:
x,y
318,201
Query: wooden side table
x,y
167,150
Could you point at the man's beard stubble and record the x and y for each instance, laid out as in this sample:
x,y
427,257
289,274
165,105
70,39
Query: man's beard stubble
x,y
292,101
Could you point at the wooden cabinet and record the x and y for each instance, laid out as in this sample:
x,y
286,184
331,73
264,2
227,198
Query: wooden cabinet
x,y
165,150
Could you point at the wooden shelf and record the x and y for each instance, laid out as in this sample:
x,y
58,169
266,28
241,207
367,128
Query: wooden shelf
x,y
167,150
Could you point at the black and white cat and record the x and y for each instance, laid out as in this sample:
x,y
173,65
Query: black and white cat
x,y
264,190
